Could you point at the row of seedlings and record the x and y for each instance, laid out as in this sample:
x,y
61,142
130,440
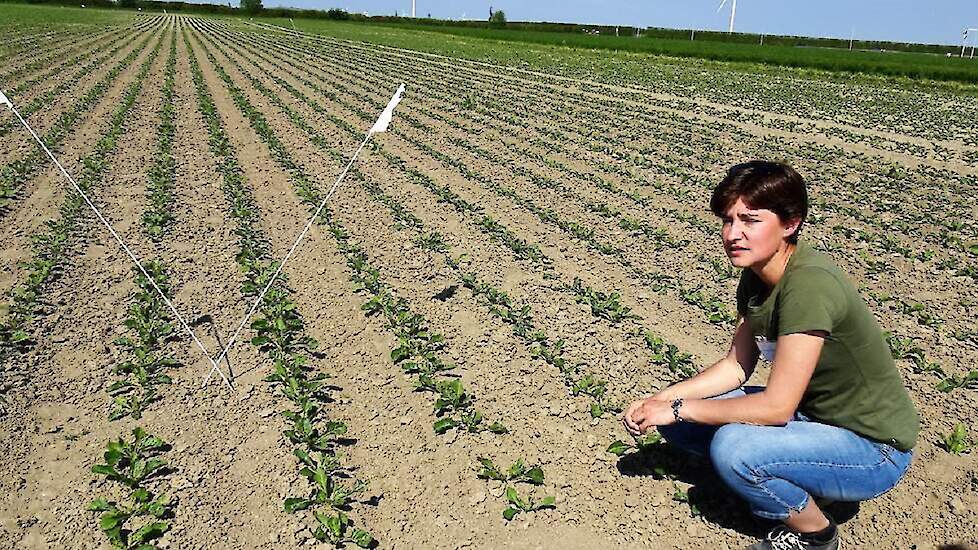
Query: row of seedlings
x,y
97,43
280,335
417,348
45,99
520,317
137,464
603,305
162,174
14,175
713,308
54,245
501,305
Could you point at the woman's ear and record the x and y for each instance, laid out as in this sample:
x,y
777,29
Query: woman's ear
x,y
791,227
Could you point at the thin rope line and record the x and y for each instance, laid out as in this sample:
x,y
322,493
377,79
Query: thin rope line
x,y
292,250
122,244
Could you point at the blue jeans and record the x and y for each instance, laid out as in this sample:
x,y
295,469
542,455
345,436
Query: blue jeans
x,y
776,468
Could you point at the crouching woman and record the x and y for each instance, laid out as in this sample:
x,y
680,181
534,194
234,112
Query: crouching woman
x,y
834,420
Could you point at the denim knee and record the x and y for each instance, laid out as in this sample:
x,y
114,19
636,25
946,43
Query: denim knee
x,y
729,451
739,453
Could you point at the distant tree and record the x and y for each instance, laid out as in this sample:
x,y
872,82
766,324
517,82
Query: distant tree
x,y
126,3
338,14
498,19
251,6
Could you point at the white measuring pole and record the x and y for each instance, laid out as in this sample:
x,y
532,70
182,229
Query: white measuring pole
x,y
383,121
5,101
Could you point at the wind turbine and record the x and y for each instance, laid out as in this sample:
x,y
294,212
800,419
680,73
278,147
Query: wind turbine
x,y
733,12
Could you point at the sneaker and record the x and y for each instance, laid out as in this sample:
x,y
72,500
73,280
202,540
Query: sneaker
x,y
782,538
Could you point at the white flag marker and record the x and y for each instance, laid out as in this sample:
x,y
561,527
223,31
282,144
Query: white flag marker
x,y
214,365
383,121
385,117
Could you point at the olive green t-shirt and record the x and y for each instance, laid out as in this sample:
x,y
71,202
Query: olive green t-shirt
x,y
855,384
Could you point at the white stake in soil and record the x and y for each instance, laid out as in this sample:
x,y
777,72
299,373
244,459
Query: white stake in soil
x,y
214,364
383,121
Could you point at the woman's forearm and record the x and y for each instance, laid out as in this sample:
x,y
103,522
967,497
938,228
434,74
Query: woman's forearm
x,y
721,377
756,408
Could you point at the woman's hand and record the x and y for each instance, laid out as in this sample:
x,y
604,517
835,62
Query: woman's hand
x,y
645,413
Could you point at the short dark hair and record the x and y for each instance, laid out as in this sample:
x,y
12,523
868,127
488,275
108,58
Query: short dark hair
x,y
767,185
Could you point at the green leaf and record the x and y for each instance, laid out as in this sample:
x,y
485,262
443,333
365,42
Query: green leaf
x,y
99,505
619,448
648,440
535,475
293,505
112,519
510,513
513,497
153,465
113,453
149,532
140,496
335,427
304,457
362,538
516,470
335,524
443,425
399,354
105,469
498,428
546,502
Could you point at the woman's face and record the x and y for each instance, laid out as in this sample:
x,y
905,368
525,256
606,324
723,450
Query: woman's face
x,y
751,236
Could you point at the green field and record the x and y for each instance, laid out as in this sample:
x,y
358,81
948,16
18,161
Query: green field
x,y
911,65
26,14
472,42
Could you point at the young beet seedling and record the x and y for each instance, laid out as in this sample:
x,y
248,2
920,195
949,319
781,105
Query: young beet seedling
x,y
664,353
958,442
115,517
132,464
596,389
338,530
953,382
517,473
454,409
641,443
680,495
517,504
319,469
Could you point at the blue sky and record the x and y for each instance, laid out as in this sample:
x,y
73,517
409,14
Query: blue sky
x,y
928,21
